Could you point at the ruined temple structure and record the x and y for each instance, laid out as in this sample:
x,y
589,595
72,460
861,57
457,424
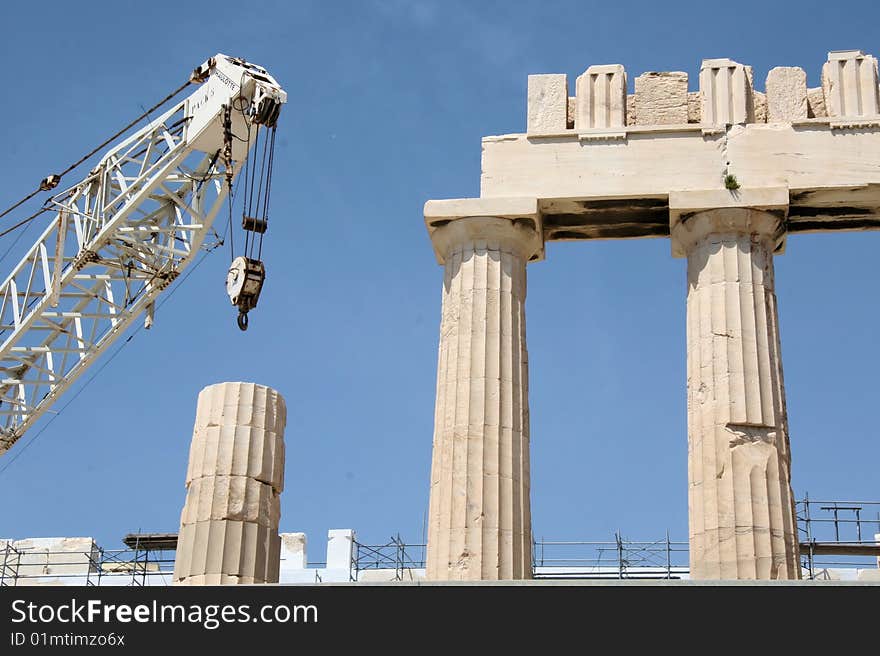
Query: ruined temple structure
x,y
726,173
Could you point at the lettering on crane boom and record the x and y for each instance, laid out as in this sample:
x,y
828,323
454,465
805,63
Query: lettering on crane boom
x,y
203,100
226,80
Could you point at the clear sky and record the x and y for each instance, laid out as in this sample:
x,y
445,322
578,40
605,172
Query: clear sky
x,y
388,101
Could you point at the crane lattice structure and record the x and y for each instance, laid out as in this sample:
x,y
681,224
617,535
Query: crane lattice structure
x,y
120,236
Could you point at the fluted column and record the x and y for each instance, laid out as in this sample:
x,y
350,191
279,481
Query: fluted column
x,y
479,524
229,524
741,508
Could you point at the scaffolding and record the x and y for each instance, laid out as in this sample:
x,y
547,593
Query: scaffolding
x,y
833,535
10,566
620,559
837,534
134,566
394,555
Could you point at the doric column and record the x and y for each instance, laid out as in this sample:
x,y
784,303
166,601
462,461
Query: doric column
x,y
229,524
741,507
479,517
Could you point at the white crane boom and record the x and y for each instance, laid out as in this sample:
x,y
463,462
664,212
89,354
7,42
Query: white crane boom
x,y
122,235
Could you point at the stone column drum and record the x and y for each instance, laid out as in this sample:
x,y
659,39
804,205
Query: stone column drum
x,y
741,507
229,524
479,525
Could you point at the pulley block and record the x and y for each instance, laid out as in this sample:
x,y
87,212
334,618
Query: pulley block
x,y
244,282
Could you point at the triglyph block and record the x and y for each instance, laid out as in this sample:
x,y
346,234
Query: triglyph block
x,y
726,93
601,98
849,81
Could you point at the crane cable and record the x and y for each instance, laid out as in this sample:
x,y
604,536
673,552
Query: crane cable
x,y
51,181
256,203
103,365
82,388
255,211
247,272
24,222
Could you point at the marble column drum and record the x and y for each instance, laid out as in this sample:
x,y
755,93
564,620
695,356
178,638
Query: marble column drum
x,y
741,508
479,525
229,524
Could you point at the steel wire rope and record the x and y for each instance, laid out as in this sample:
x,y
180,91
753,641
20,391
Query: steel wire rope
x,y
96,149
268,191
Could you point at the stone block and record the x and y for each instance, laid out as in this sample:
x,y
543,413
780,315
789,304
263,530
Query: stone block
x,y
39,558
241,404
601,98
547,104
273,562
816,103
849,82
239,498
240,549
661,98
235,450
695,102
786,94
759,102
726,93
340,548
294,550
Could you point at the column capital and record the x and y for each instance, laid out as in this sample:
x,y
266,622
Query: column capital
x,y
694,215
514,222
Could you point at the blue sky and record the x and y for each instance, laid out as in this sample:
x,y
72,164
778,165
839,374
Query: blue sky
x,y
388,101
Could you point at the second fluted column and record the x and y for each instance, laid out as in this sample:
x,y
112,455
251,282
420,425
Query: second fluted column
x,y
479,525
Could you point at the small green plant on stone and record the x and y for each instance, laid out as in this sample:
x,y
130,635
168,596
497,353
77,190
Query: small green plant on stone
x,y
730,182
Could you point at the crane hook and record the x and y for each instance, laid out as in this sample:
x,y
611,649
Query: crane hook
x,y
244,281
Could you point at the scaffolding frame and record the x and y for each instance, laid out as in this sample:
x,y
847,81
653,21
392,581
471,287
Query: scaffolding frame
x,y
96,565
149,559
664,558
619,559
394,554
813,526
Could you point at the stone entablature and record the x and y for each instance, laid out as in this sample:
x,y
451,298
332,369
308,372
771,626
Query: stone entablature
x,y
601,109
595,171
